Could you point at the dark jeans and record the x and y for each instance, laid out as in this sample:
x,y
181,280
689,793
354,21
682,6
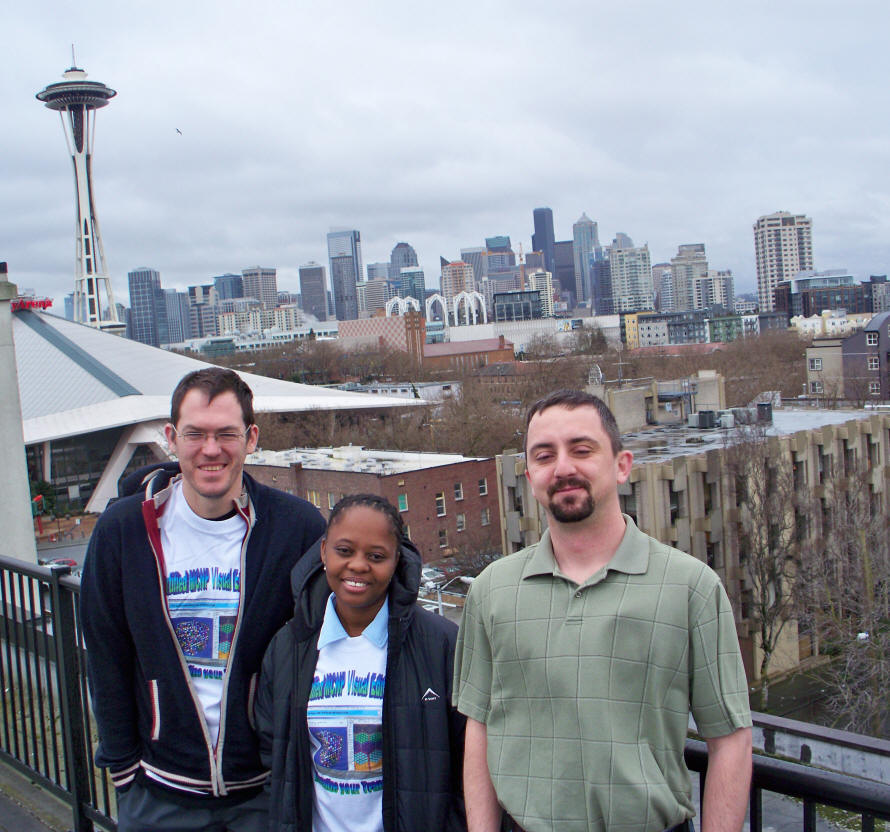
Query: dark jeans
x,y
141,810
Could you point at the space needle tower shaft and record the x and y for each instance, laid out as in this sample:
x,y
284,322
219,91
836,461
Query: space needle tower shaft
x,y
77,100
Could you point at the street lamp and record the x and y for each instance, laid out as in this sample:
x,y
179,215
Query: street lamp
x,y
432,585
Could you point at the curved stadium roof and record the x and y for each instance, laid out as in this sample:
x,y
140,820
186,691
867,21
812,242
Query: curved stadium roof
x,y
74,379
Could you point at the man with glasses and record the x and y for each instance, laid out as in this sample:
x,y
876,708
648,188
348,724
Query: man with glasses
x,y
183,587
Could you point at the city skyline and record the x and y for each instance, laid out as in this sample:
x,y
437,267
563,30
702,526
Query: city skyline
x,y
194,187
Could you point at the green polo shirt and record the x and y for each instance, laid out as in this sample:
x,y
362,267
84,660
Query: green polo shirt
x,y
586,690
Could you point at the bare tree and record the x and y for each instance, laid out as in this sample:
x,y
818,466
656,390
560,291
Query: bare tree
x,y
771,503
845,595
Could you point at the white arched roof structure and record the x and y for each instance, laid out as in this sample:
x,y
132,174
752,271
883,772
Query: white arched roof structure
x,y
431,301
470,301
402,304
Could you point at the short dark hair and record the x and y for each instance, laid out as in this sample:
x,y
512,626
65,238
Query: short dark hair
x,y
572,399
372,501
213,381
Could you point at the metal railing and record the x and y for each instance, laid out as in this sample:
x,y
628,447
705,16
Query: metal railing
x,y
46,728
48,733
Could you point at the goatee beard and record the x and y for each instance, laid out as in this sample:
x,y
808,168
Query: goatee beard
x,y
573,512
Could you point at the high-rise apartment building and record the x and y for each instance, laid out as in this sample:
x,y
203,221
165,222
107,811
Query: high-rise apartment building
x,y
148,307
585,238
600,281
403,256
345,258
543,237
630,270
373,295
499,254
783,246
457,277
261,284
687,266
202,311
542,281
716,288
313,290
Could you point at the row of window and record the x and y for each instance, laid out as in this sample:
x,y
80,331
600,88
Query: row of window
x,y
874,363
314,497
458,496
874,387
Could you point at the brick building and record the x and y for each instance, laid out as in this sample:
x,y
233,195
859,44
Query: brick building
x,y
467,355
448,502
399,332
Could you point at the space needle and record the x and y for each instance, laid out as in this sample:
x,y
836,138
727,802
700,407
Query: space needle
x,y
77,100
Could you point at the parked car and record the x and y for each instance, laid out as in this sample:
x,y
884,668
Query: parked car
x,y
431,574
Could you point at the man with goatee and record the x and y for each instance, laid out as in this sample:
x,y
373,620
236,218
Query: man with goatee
x,y
580,658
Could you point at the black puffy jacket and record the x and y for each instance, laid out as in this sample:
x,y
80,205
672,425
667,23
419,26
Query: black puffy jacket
x,y
423,734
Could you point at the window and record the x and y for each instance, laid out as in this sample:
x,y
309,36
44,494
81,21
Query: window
x,y
815,364
314,497
403,502
874,363
485,517
443,538
815,386
458,491
874,388
407,531
483,487
440,504
871,339
461,522
332,499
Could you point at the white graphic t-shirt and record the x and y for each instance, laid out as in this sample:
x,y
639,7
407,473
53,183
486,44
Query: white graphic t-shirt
x,y
203,563
345,722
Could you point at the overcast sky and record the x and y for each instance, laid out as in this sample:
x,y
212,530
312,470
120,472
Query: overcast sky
x,y
441,124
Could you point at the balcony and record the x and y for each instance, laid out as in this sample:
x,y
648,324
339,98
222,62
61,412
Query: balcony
x,y
47,731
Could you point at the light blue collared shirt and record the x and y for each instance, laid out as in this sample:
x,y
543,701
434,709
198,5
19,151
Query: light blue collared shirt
x,y
333,630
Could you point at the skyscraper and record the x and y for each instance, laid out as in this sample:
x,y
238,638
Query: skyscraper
x,y
378,271
261,284
148,307
403,256
783,245
345,257
412,284
78,99
543,237
178,318
564,266
688,265
229,286
585,237
313,290
630,270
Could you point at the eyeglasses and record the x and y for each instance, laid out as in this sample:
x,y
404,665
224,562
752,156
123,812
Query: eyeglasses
x,y
197,438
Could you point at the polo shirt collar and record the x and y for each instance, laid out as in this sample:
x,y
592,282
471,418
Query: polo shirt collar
x,y
631,556
333,630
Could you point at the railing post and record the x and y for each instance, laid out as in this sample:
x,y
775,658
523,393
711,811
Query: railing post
x,y
70,700
755,810
809,815
868,823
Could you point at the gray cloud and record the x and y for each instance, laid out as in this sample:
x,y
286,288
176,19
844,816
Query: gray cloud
x,y
441,126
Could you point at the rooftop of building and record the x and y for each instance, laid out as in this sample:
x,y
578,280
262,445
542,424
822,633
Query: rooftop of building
x,y
664,442
357,458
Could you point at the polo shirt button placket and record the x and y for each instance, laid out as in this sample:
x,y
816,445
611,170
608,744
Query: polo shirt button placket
x,y
578,594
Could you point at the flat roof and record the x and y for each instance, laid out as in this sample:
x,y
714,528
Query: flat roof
x,y
357,458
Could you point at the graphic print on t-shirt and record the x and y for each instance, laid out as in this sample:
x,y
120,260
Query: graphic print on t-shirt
x,y
345,710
